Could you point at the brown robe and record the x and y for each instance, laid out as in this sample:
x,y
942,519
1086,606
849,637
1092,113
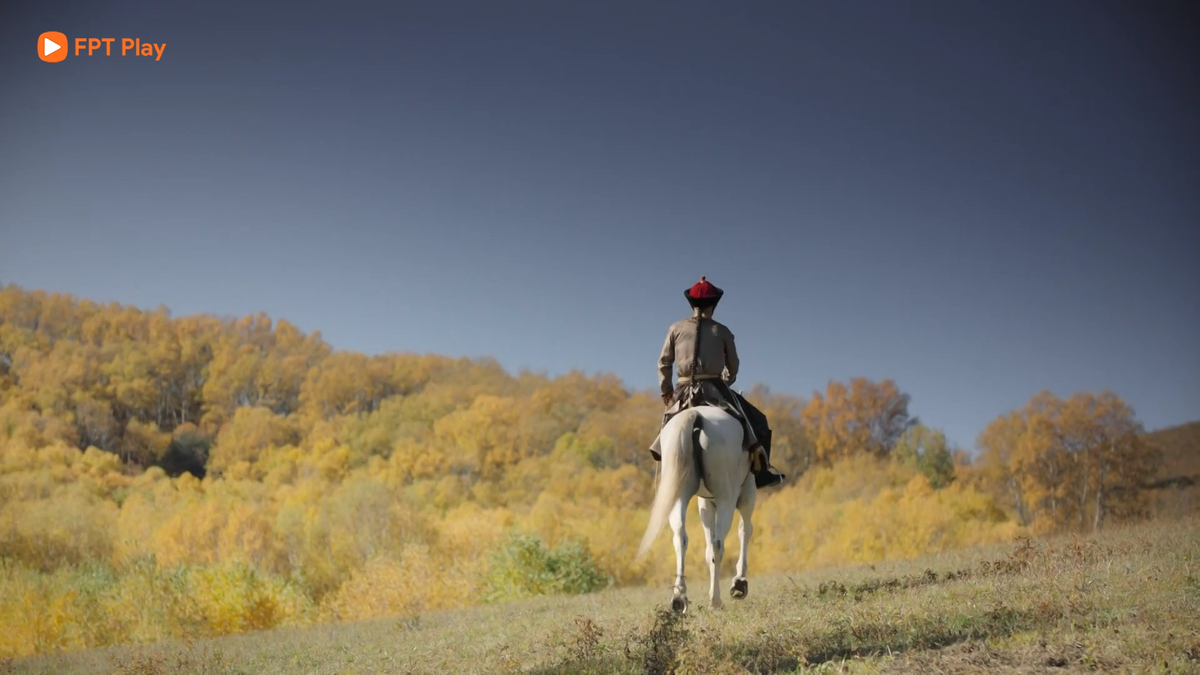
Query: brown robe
x,y
704,374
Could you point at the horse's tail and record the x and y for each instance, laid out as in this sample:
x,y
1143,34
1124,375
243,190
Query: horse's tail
x,y
679,469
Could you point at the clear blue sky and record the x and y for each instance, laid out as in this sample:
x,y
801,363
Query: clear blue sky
x,y
980,200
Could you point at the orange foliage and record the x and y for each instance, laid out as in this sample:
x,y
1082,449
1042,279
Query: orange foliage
x,y
866,417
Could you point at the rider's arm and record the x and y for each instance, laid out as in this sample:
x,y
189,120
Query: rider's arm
x,y
665,360
731,358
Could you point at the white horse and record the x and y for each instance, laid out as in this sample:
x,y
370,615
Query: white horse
x,y
702,455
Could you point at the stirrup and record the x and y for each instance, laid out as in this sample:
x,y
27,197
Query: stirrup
x,y
758,459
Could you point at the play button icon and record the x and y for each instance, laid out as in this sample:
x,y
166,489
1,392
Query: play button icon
x,y
52,47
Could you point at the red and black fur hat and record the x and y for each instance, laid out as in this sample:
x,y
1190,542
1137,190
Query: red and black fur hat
x,y
703,294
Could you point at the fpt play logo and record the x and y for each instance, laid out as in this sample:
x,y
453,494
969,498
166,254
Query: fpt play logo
x,y
53,46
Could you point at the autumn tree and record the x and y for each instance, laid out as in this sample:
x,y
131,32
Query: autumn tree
x,y
1069,463
995,469
865,417
254,365
252,431
927,451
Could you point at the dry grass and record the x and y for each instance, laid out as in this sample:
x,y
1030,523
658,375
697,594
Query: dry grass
x,y
1125,601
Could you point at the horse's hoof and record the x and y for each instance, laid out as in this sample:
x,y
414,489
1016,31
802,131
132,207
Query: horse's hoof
x,y
740,588
679,604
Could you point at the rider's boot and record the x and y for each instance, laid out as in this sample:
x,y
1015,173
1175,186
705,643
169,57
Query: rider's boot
x,y
766,476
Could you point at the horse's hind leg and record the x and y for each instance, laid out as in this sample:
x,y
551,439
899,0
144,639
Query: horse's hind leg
x,y
717,517
745,507
708,517
677,519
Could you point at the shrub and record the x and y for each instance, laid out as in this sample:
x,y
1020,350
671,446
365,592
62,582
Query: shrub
x,y
525,567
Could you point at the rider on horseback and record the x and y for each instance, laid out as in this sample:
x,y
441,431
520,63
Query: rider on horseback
x,y
704,353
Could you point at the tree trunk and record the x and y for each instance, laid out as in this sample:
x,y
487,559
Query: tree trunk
x,y
1083,489
1098,518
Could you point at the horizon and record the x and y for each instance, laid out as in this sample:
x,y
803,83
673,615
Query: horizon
x,y
978,203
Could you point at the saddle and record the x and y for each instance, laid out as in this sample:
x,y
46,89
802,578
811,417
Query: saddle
x,y
705,391
692,392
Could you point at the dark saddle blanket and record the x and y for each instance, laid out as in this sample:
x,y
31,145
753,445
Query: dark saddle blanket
x,y
690,394
704,392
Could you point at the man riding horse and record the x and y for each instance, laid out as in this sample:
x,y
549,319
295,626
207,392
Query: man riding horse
x,y
703,352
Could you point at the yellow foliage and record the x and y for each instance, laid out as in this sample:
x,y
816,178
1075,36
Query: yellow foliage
x,y
414,582
865,510
251,432
233,598
87,606
72,525
35,616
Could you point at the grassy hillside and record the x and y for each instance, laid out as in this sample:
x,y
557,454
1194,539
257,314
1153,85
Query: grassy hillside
x,y
1180,448
1177,485
1127,600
